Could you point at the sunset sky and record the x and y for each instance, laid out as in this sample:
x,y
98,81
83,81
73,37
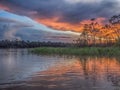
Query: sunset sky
x,y
62,15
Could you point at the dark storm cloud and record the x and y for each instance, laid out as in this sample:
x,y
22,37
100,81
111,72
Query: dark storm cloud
x,y
80,12
67,12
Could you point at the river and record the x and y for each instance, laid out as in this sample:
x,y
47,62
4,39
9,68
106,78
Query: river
x,y
22,70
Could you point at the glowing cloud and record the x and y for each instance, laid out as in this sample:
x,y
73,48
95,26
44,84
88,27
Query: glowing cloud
x,y
76,27
3,7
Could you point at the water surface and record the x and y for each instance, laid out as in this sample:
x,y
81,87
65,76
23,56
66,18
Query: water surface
x,y
20,70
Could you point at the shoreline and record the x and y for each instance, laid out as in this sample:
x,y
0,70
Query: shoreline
x,y
85,51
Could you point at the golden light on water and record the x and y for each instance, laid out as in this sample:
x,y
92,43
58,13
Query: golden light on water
x,y
93,72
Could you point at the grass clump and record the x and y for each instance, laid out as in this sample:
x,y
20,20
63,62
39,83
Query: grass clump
x,y
86,51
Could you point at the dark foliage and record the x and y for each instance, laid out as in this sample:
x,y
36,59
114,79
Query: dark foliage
x,y
30,44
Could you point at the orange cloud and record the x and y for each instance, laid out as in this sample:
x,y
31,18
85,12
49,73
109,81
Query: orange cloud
x,y
56,24
79,27
3,7
53,23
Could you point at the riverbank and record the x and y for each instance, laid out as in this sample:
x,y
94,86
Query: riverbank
x,y
86,51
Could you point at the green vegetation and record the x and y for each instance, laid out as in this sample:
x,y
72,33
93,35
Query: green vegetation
x,y
95,40
85,51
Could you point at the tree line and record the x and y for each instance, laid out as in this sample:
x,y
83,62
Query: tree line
x,y
30,44
94,34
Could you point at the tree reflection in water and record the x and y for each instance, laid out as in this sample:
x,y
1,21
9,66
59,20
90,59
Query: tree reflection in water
x,y
63,72
99,73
